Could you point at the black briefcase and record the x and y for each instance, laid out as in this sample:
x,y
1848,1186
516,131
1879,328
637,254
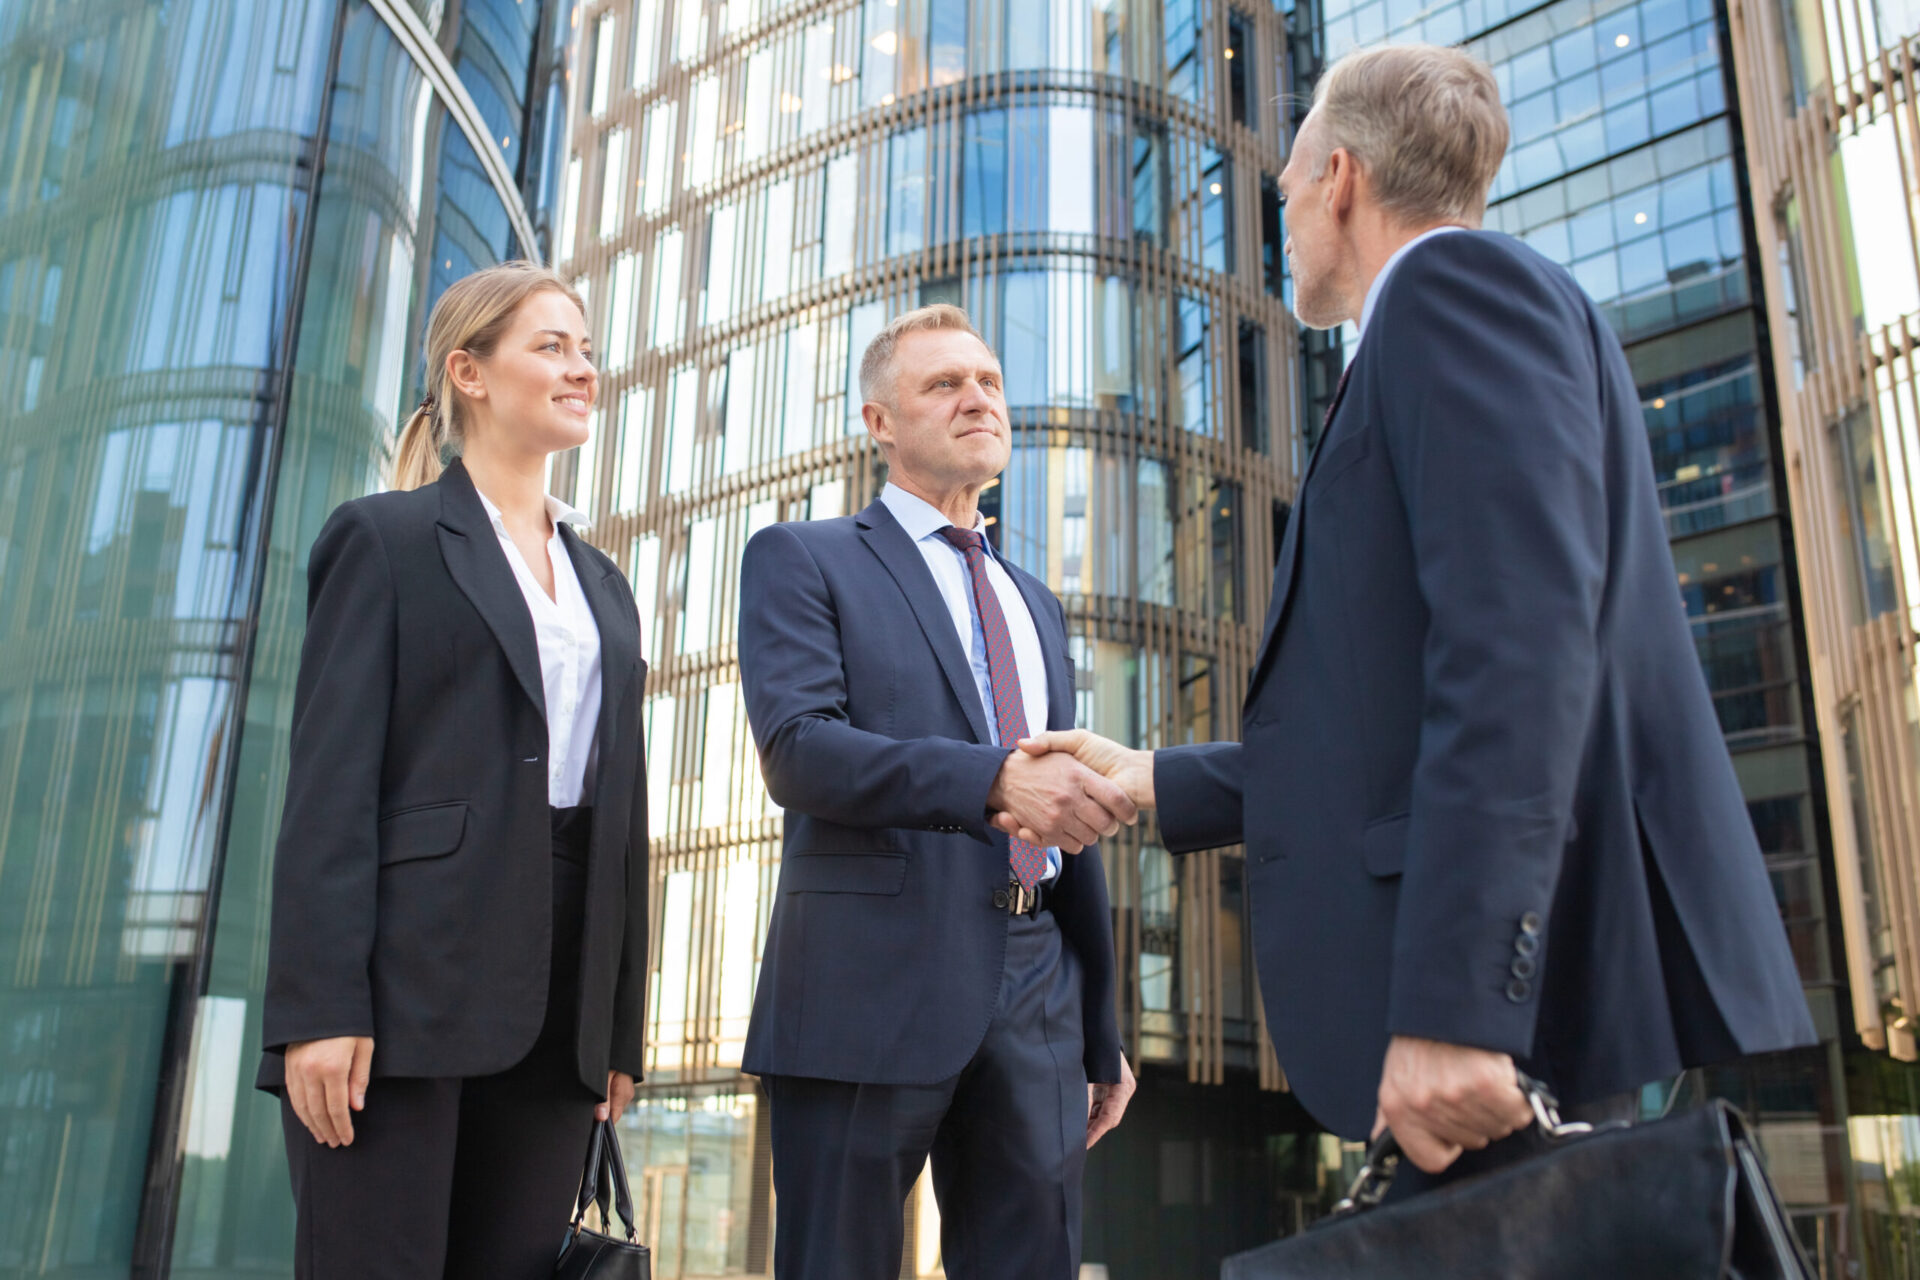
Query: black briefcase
x,y
593,1255
1682,1198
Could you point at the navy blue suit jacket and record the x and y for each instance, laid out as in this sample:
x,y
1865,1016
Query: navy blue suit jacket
x,y
1484,794
885,954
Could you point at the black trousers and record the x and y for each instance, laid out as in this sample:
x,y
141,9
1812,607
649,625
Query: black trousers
x,y
469,1179
1008,1138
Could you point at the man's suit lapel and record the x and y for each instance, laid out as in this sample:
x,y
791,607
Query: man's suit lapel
x,y
619,627
883,534
1287,562
479,567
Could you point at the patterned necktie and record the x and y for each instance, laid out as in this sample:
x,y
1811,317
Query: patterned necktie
x,y
1029,861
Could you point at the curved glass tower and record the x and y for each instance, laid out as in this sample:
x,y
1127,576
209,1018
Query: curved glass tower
x,y
753,188
222,223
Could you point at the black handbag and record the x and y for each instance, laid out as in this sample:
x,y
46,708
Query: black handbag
x,y
593,1254
1681,1198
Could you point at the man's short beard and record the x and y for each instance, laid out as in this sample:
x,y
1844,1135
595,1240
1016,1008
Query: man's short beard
x,y
1317,305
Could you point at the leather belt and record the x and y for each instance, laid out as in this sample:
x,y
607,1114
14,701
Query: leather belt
x,y
1016,901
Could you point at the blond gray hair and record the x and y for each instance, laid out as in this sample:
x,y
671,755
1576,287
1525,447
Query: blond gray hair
x,y
472,316
1424,122
876,365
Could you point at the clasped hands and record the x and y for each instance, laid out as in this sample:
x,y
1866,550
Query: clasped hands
x,y
1440,1099
1067,789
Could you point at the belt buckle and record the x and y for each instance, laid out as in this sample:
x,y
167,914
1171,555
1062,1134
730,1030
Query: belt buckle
x,y
1022,900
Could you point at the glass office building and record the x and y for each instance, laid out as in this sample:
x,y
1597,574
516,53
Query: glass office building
x,y
222,223
1827,94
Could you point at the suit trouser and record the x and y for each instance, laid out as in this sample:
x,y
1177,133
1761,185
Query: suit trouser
x,y
468,1178
1007,1137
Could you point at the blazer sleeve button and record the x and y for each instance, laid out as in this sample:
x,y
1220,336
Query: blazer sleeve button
x,y
1521,967
1518,990
1530,922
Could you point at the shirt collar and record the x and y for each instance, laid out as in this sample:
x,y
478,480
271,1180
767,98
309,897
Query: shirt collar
x,y
920,518
1380,281
557,511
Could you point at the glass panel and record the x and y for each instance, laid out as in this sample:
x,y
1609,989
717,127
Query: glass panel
x,y
601,68
619,342
778,255
647,18
636,440
717,299
816,77
613,179
1070,182
802,372
907,191
703,130
668,307
656,187
842,214
983,174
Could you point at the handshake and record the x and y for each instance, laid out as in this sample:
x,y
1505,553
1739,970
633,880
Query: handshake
x,y
1070,787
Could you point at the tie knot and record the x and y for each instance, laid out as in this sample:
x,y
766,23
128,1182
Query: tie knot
x,y
965,539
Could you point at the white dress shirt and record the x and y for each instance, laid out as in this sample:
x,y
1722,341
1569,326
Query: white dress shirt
x,y
1380,281
923,522
569,643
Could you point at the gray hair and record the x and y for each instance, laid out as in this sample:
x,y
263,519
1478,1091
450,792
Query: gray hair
x,y
1424,122
876,365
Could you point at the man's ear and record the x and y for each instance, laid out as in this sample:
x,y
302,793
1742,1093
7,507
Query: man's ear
x,y
879,422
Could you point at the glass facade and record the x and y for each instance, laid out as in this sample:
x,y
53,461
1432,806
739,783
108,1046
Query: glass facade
x,y
221,228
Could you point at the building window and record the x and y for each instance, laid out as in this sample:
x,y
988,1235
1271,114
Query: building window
x,y
613,179
1239,58
1150,183
1216,210
601,68
1253,387
946,42
1185,77
1870,582
907,191
1273,239
1193,365
1227,544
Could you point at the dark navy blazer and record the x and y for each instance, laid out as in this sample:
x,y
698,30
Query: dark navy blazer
x,y
885,954
1483,791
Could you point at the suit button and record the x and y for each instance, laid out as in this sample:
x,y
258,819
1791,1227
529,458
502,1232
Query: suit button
x,y
1527,944
999,899
1530,922
1518,990
1521,967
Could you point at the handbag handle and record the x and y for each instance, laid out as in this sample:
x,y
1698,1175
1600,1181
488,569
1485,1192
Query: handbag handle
x,y
605,1173
1376,1174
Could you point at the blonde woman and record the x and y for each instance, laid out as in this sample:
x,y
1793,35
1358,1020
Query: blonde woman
x,y
458,961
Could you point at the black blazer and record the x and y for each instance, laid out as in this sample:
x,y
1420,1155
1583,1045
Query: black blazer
x,y
412,891
885,953
1483,790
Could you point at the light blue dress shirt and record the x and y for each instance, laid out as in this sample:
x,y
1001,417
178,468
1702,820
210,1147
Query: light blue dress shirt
x,y
923,522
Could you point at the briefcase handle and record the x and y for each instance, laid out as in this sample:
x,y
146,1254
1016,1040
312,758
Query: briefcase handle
x,y
605,1173
1383,1154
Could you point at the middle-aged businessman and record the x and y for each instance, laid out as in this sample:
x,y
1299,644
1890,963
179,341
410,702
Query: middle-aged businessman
x,y
930,987
1488,812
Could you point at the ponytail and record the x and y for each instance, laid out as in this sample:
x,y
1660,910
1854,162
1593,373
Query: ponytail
x,y
416,460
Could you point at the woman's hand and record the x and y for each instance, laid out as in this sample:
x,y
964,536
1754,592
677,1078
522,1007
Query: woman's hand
x,y
619,1096
327,1082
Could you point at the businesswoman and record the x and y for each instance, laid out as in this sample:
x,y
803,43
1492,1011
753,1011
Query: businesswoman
x,y
458,960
